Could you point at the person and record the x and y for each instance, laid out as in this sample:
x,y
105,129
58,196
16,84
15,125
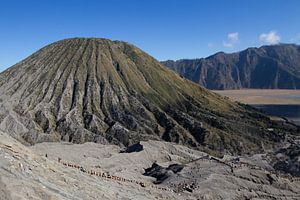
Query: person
x,y
46,155
81,169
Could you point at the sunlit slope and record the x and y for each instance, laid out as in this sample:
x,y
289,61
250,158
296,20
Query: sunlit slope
x,y
88,89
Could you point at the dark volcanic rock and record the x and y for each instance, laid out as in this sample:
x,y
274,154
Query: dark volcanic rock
x,y
175,168
133,148
288,160
267,67
42,121
161,173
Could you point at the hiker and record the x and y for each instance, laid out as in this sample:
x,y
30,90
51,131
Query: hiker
x,y
82,169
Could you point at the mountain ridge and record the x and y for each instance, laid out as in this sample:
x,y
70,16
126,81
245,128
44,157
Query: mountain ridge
x,y
244,69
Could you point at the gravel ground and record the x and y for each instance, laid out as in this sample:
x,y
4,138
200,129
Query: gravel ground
x,y
26,173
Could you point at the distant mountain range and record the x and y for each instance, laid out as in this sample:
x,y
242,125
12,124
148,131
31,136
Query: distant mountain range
x,y
267,67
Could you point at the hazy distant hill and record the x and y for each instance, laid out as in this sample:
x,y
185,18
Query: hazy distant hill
x,y
268,67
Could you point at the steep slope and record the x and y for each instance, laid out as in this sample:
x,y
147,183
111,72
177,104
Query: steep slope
x,y
268,67
87,89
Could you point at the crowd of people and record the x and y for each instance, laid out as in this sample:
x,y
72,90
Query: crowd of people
x,y
178,187
112,177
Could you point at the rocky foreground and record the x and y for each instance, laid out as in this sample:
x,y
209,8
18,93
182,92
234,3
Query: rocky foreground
x,y
96,171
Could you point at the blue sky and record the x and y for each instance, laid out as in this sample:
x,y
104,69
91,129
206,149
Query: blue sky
x,y
166,29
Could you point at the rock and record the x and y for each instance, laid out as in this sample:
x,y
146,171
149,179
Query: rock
x,y
133,148
289,161
41,119
161,173
175,168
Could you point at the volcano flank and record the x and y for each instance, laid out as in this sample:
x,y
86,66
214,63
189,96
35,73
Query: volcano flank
x,y
103,91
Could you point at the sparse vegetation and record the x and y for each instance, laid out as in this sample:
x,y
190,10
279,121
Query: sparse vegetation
x,y
88,89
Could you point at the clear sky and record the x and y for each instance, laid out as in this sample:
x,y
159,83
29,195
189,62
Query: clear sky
x,y
166,29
